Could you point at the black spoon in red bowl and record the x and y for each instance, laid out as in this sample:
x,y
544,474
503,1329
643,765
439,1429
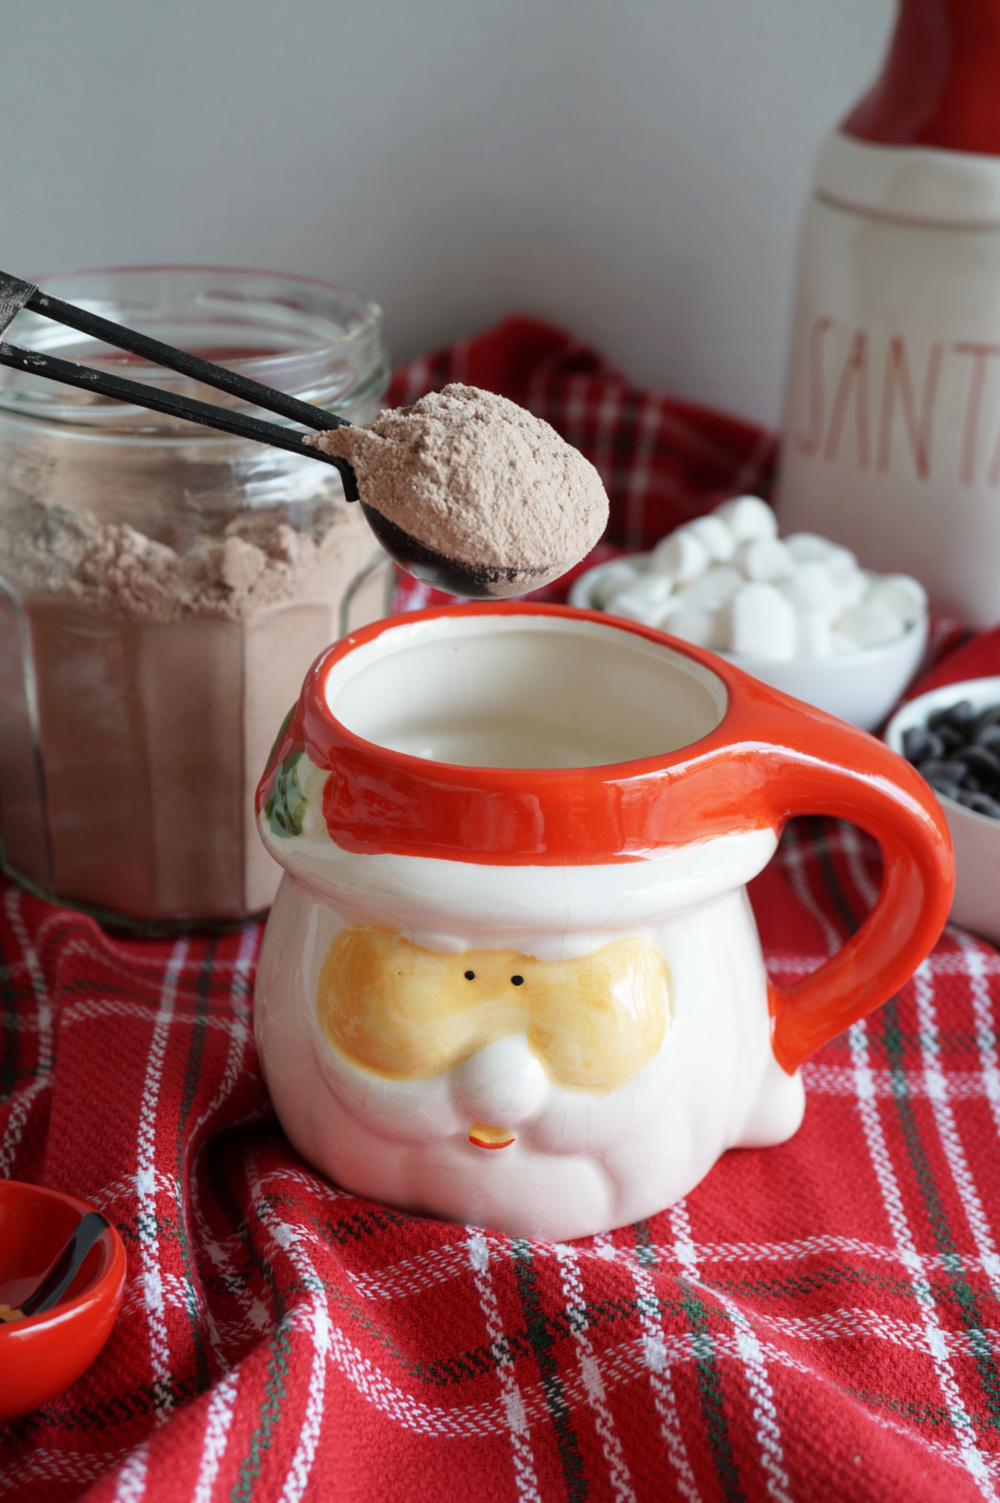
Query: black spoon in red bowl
x,y
63,1271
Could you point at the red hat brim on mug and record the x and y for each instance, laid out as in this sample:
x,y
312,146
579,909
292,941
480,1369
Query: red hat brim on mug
x,y
685,745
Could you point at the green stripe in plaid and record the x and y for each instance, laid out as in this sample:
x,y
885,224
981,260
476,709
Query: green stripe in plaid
x,y
964,1295
543,1346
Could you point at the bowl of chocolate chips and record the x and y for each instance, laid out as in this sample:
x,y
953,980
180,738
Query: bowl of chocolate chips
x,y
951,735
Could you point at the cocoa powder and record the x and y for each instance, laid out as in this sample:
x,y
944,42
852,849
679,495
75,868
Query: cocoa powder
x,y
160,678
478,479
257,560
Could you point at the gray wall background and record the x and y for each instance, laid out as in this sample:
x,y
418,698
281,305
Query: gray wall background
x,y
631,169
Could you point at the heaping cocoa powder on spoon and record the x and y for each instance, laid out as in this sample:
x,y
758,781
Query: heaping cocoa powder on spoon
x,y
478,479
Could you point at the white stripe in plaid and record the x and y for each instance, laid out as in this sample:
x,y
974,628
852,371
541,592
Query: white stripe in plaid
x,y
794,857
132,1477
513,1403
765,1413
218,1422
977,964
972,1457
656,1355
590,1372
945,1119
145,1185
316,1318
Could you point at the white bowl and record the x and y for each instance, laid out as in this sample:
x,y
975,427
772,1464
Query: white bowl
x,y
976,837
861,687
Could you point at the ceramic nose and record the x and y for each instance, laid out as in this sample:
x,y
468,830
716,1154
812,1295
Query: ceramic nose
x,y
503,1083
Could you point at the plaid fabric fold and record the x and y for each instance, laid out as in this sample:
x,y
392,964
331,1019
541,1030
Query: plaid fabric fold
x,y
815,1321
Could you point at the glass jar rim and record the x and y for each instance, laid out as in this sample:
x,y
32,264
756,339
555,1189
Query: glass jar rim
x,y
331,347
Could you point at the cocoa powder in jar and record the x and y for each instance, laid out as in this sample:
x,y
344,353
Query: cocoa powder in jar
x,y
160,681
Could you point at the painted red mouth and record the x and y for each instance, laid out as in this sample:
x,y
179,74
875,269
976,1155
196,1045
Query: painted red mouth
x,y
484,1135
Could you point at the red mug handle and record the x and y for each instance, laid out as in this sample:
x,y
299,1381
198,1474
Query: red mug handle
x,y
806,762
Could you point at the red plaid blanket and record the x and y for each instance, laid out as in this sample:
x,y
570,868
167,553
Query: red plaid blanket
x,y
815,1321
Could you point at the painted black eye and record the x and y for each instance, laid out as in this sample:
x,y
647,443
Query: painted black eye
x,y
517,981
470,975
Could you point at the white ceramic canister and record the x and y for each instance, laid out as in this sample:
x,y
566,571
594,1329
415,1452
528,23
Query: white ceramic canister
x,y
892,427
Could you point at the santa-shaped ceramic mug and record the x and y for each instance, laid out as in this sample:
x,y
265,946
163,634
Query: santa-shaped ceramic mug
x,y
512,975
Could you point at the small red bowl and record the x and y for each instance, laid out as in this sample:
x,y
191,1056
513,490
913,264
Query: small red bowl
x,y
43,1354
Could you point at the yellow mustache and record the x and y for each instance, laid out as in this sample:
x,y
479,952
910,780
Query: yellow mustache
x,y
406,1013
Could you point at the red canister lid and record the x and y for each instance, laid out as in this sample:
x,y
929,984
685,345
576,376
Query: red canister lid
x,y
940,84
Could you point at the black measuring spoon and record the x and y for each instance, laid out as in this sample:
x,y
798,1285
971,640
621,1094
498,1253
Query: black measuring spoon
x,y
454,575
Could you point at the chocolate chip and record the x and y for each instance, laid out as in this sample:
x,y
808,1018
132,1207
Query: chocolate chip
x,y
959,716
980,803
986,719
989,736
951,737
920,743
948,772
980,760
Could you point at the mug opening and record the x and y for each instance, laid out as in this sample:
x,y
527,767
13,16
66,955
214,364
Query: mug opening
x,y
521,689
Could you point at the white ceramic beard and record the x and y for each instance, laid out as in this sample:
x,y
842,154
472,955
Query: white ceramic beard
x,y
581,1162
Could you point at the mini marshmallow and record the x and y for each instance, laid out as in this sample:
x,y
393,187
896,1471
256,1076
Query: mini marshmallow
x,y
748,517
765,559
717,537
809,547
618,576
702,627
645,599
812,590
902,596
851,582
680,556
869,626
763,622
806,547
712,589
813,639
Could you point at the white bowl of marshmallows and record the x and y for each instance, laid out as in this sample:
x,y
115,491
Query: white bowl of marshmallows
x,y
798,612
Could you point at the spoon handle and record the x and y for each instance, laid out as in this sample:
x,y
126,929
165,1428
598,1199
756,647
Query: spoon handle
x,y
33,362
16,294
63,1271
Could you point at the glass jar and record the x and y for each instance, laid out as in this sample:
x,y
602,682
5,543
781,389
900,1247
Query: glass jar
x,y
163,589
